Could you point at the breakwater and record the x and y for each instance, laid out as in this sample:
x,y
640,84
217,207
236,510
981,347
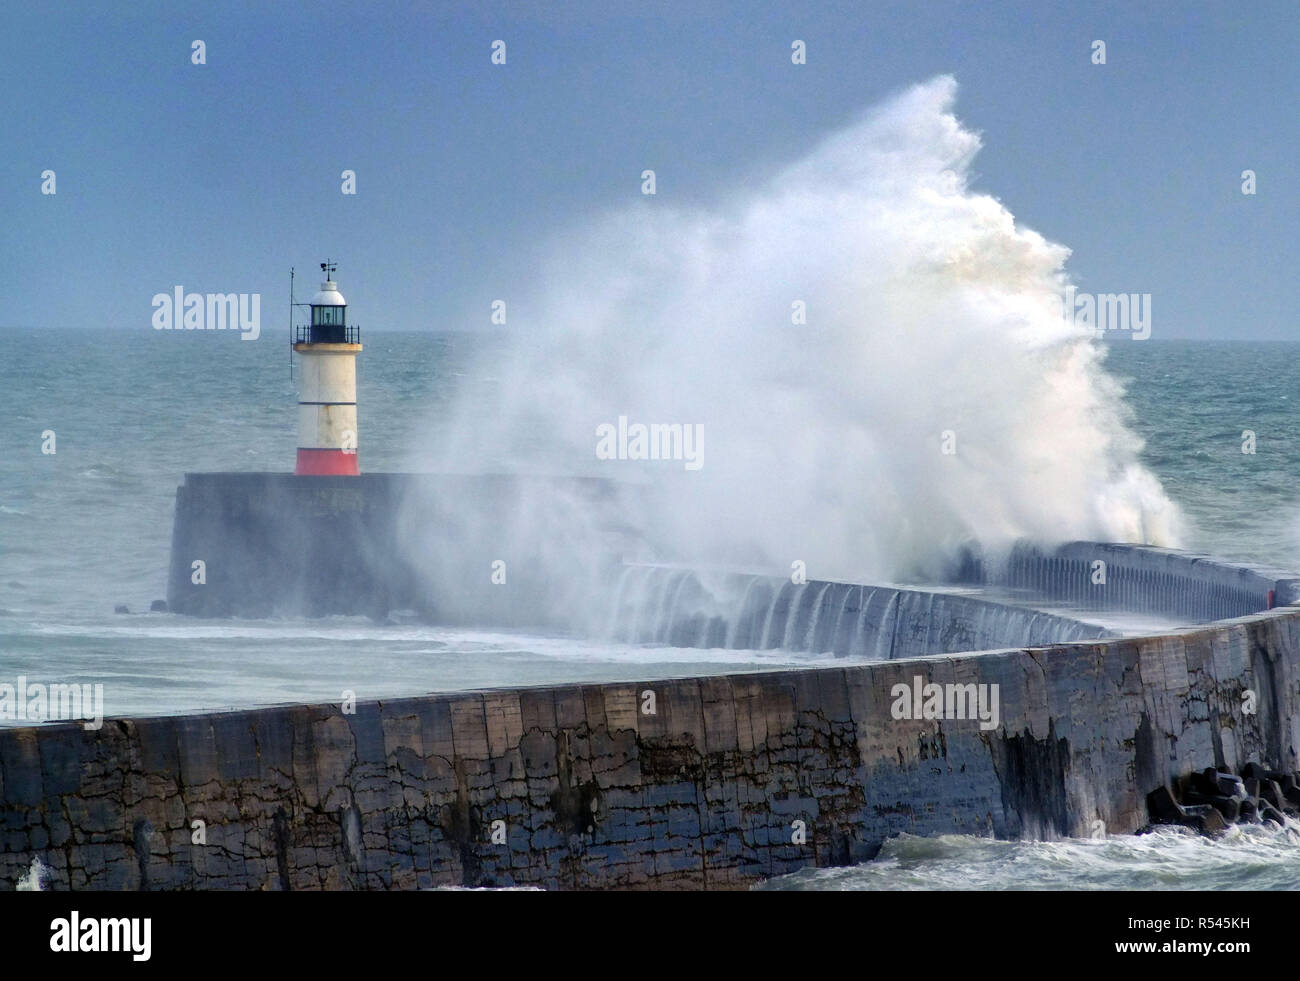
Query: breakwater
x,y
273,544
713,782
683,608
1094,576
968,716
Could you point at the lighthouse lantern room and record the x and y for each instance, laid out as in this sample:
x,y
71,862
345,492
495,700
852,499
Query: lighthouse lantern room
x,y
327,393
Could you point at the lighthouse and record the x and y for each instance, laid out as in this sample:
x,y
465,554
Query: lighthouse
x,y
327,393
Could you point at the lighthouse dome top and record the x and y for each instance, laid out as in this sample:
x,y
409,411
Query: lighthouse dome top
x,y
329,296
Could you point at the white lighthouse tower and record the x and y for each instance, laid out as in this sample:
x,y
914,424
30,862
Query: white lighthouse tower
x,y
327,393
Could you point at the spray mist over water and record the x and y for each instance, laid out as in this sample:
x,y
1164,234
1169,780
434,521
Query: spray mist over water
x,y
928,311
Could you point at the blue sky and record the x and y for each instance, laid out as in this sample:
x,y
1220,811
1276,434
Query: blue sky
x,y
221,176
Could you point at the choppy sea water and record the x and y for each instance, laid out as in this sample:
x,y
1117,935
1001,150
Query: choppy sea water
x,y
1250,857
88,527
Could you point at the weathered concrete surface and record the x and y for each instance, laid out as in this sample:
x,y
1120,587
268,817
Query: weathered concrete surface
x,y
595,792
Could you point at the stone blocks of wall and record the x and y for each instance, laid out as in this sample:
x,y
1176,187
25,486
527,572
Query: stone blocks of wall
x,y
690,783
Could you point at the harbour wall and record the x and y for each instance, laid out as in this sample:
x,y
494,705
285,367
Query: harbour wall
x,y
1096,576
710,782
259,545
684,608
274,544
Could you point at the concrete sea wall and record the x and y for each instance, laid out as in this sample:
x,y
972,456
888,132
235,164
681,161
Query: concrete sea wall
x,y
276,544
711,782
273,544
1141,579
683,608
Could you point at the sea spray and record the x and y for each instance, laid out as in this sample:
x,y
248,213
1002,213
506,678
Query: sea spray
x,y
875,349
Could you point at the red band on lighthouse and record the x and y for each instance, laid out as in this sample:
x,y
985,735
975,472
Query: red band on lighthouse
x,y
327,463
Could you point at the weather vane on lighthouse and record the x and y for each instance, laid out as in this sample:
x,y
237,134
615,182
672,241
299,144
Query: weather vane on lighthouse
x,y
327,393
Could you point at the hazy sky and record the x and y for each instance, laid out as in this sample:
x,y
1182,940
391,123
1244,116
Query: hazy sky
x,y
219,177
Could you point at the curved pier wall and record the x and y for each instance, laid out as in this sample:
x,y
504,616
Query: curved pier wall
x,y
1141,579
277,544
684,608
702,782
280,545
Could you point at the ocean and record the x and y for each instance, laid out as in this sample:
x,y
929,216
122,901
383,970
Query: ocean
x,y
85,530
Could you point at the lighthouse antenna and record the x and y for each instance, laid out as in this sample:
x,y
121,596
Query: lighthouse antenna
x,y
291,308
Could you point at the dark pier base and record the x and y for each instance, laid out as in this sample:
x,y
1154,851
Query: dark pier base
x,y
275,544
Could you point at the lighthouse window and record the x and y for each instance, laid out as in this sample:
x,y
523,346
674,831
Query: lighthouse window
x,y
327,316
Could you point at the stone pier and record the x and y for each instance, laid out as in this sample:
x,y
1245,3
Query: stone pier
x,y
713,782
